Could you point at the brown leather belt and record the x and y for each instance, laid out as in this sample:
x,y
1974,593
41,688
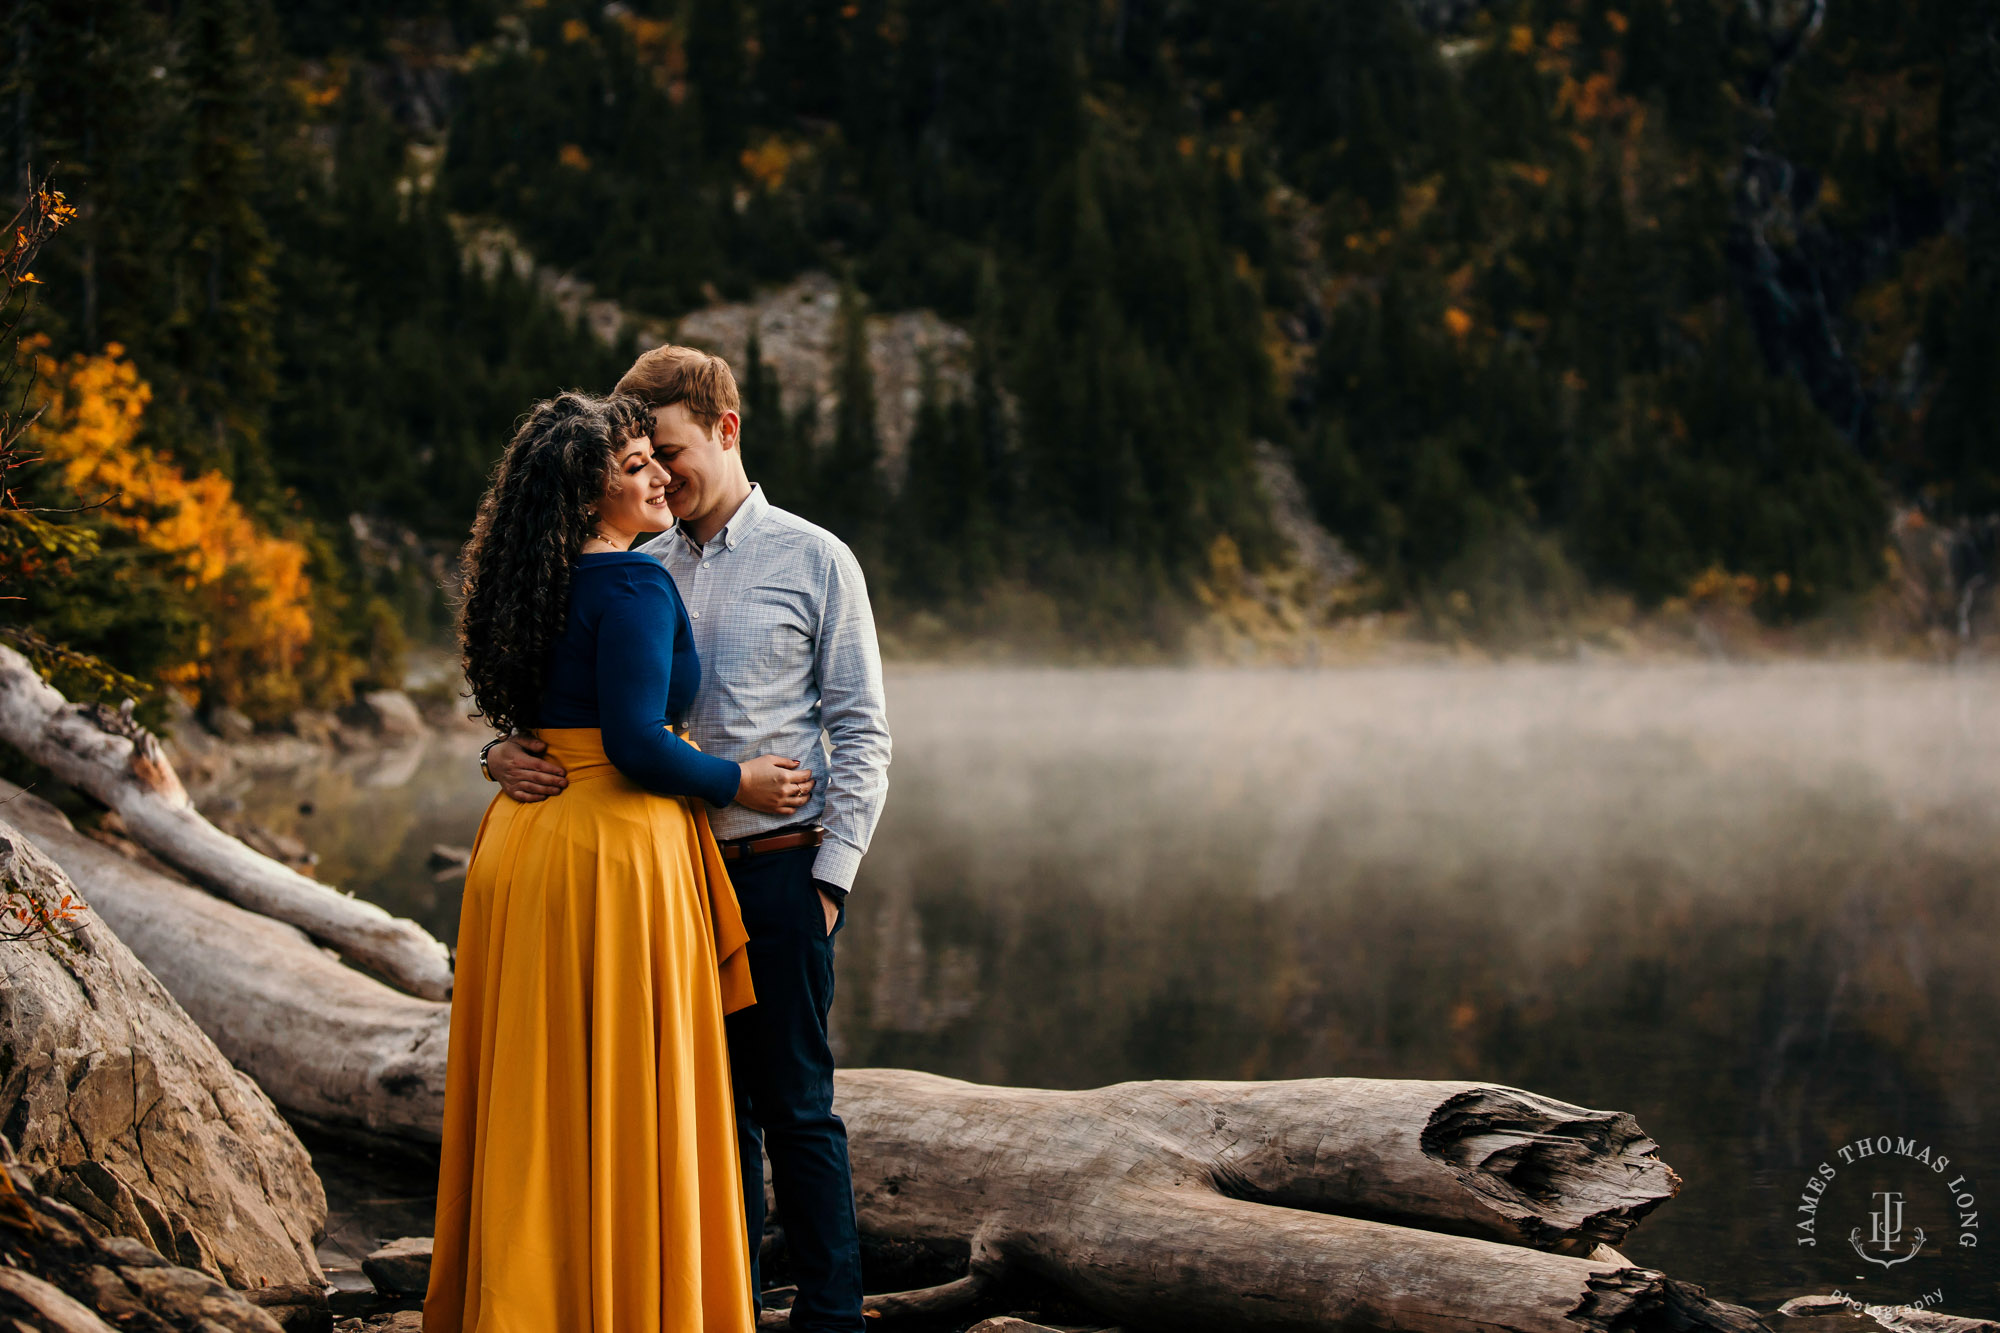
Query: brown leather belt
x,y
783,840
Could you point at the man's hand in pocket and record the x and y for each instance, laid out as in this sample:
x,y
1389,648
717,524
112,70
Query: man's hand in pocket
x,y
829,901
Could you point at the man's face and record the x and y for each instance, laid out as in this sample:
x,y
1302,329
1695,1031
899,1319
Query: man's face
x,y
698,462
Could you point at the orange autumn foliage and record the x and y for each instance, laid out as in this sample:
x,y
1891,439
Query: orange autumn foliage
x,y
247,588
769,160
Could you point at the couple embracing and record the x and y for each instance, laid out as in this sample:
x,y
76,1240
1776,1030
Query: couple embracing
x,y
694,754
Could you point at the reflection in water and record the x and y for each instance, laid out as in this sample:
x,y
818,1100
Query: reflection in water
x,y
1754,906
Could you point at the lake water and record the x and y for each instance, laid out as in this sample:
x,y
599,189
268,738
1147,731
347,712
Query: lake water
x,y
1753,905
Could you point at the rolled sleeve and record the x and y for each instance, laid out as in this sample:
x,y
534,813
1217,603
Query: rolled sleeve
x,y
854,714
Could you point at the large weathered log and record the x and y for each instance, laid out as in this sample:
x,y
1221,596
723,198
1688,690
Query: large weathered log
x,y
329,1045
1474,1159
127,1110
1185,1205
121,764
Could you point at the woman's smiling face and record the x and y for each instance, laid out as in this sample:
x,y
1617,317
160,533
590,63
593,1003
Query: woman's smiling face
x,y
635,493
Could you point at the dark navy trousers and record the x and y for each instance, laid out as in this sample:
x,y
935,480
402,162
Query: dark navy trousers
x,y
783,1071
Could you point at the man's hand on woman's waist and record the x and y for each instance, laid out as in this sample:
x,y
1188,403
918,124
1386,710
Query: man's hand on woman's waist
x,y
518,766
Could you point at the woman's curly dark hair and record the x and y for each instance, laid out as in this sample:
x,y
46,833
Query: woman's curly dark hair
x,y
532,524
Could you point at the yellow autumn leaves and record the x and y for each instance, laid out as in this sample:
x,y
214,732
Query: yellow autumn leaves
x,y
248,589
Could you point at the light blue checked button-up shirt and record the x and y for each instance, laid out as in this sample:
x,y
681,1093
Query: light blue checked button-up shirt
x,y
789,665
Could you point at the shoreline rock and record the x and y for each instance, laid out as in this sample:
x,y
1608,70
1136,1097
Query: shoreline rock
x,y
401,1268
58,1275
388,715
214,754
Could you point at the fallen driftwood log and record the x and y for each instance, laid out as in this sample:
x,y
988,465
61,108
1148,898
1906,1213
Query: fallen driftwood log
x,y
120,1105
1205,1205
120,763
330,1046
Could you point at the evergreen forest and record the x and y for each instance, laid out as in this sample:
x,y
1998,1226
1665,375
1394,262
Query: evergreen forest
x,y
1538,298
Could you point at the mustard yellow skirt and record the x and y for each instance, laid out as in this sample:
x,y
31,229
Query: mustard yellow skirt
x,y
590,1181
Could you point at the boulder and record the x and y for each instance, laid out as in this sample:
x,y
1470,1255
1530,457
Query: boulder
x,y
397,1321
444,856
402,1267
231,725
125,1111
58,1274
314,726
390,715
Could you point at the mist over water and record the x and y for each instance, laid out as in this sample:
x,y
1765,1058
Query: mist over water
x,y
1752,905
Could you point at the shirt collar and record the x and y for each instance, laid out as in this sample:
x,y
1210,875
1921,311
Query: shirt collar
x,y
745,518
738,527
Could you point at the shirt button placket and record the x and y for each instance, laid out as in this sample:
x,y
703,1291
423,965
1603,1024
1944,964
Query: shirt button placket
x,y
701,593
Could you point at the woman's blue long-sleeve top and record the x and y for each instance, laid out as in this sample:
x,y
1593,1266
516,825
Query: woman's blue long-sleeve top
x,y
626,664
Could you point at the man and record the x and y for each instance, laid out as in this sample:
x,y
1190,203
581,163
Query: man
x,y
789,663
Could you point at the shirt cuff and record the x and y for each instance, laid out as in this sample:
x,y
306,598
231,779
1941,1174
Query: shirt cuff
x,y
837,864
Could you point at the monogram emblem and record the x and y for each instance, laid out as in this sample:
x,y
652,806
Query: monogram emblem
x,y
1885,1231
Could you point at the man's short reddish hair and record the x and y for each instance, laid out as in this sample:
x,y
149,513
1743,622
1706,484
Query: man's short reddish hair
x,y
672,374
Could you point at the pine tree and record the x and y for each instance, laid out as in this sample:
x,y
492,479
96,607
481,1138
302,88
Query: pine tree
x,y
1369,164
778,457
795,74
985,430
851,492
719,76
1959,454
220,332
925,539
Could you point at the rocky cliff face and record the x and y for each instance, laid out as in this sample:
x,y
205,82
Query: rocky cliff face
x,y
796,335
796,326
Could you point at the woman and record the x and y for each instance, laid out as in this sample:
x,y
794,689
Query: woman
x,y
590,1178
